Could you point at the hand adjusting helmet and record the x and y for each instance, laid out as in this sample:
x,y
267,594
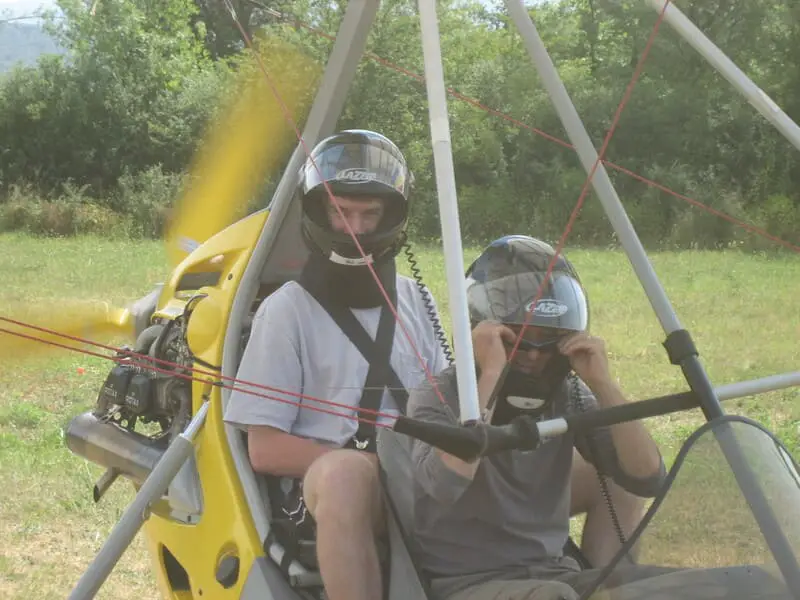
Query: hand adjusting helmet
x,y
355,163
502,284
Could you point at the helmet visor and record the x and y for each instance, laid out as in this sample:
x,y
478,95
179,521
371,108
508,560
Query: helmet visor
x,y
357,169
509,299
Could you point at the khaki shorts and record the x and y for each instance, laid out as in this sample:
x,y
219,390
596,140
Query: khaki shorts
x,y
636,583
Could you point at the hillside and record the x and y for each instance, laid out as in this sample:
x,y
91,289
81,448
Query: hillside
x,y
23,42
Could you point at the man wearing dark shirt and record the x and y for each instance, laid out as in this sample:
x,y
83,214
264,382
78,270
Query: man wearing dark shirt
x,y
496,528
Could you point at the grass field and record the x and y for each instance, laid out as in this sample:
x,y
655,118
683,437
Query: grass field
x,y
742,310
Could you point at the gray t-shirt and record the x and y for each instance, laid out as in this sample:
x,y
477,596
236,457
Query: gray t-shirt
x,y
515,512
295,346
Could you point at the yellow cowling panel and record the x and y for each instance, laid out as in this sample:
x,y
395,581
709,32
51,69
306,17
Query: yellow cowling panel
x,y
226,525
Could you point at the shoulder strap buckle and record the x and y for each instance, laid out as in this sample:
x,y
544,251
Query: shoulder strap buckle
x,y
377,353
360,445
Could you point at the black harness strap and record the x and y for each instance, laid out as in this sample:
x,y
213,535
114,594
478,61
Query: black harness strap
x,y
376,379
377,353
296,538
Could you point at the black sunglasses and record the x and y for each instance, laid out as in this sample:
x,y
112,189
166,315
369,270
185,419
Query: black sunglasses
x,y
547,345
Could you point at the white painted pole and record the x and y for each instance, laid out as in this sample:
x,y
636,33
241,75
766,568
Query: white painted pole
x,y
448,212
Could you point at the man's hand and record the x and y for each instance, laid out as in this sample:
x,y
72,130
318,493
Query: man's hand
x,y
488,343
587,355
638,453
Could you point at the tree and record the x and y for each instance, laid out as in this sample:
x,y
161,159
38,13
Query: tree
x,y
133,90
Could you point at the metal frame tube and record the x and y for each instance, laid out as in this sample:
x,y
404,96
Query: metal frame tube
x,y
692,369
560,425
728,69
758,386
690,364
588,156
131,521
448,212
348,48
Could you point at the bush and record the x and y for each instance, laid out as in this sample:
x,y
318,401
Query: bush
x,y
137,208
70,213
146,199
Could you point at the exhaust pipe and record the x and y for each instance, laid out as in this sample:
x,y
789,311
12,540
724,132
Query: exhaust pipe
x,y
122,452
105,481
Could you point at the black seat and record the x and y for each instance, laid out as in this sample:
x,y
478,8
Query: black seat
x,y
301,570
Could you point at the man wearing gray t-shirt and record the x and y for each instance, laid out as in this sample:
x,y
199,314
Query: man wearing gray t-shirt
x,y
355,182
496,528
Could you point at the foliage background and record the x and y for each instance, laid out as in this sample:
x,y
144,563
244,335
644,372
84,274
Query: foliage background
x,y
99,138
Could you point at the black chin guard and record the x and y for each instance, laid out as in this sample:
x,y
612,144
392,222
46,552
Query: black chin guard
x,y
522,394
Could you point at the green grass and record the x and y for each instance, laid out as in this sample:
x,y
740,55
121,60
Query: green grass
x,y
741,309
50,529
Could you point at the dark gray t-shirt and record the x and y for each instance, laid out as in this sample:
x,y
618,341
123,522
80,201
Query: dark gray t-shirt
x,y
515,512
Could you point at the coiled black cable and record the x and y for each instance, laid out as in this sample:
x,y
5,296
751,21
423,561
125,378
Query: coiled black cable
x,y
576,390
426,298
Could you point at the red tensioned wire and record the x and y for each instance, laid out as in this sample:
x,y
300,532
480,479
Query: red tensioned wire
x,y
464,98
570,222
333,200
147,365
706,207
626,96
458,95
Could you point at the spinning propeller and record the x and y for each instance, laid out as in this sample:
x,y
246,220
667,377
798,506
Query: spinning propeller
x,y
247,140
45,329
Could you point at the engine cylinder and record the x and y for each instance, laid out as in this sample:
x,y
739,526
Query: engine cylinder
x,y
111,446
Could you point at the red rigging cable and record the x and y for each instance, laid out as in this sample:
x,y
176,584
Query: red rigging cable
x,y
625,97
148,365
150,360
705,207
565,144
350,231
288,117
